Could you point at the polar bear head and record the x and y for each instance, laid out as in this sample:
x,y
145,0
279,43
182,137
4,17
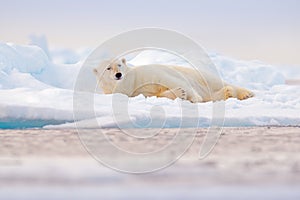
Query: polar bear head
x,y
109,72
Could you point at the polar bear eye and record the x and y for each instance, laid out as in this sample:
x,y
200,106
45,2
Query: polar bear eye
x,y
109,68
119,65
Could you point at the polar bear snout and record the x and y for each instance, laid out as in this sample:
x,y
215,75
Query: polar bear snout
x,y
118,76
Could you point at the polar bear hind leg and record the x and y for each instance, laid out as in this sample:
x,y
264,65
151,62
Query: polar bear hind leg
x,y
230,91
243,93
223,94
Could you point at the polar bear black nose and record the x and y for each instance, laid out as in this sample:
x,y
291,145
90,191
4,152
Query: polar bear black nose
x,y
118,75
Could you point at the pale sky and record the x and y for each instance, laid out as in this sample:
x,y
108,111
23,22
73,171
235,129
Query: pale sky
x,y
267,30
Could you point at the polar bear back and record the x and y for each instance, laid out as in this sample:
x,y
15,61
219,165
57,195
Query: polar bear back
x,y
150,80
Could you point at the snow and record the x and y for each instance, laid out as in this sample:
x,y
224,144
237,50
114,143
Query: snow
x,y
36,90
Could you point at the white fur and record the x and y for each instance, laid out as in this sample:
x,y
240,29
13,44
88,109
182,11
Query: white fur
x,y
165,81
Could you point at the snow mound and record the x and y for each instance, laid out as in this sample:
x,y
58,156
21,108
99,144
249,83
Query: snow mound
x,y
27,59
250,74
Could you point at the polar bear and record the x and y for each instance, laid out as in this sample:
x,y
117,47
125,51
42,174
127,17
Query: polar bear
x,y
165,81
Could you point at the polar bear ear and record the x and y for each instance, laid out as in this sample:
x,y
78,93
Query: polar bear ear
x,y
95,71
124,61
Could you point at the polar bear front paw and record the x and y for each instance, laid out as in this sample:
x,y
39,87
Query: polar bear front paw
x,y
174,93
179,93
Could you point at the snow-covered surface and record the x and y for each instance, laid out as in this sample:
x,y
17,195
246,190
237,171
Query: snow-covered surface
x,y
36,91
